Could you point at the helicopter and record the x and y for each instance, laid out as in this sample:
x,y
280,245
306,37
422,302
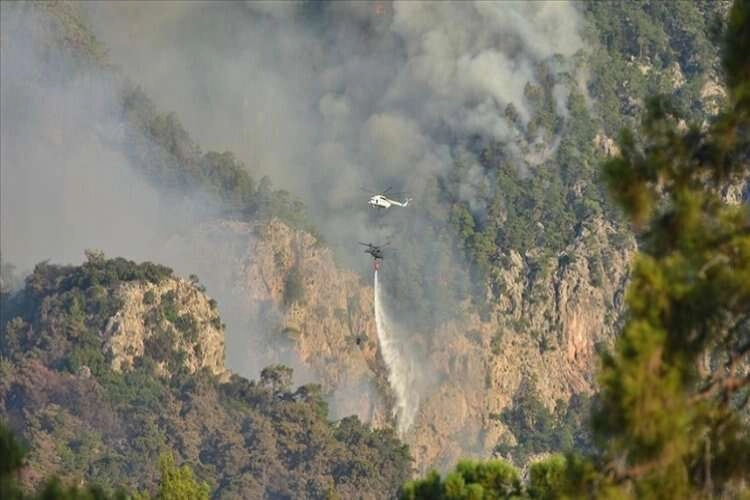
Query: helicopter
x,y
380,200
376,251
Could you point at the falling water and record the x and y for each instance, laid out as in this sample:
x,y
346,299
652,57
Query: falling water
x,y
400,374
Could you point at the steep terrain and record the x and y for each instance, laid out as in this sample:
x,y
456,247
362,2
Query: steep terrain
x,y
549,320
282,287
165,309
105,366
546,256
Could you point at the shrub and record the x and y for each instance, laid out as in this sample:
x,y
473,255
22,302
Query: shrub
x,y
169,306
294,287
188,325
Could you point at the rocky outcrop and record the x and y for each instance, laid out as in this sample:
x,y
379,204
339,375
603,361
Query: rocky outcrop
x,y
327,333
174,312
551,313
606,145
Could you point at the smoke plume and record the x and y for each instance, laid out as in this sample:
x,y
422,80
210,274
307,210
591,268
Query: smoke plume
x,y
328,97
324,97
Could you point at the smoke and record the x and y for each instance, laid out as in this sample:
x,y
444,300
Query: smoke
x,y
327,97
66,184
324,97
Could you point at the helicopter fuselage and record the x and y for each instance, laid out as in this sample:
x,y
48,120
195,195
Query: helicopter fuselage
x,y
376,253
382,201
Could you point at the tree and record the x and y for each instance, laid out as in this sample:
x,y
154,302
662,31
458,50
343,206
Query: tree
x,y
546,477
12,456
177,483
278,378
470,480
11,460
294,286
670,419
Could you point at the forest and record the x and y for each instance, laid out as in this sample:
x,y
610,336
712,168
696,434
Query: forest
x,y
669,419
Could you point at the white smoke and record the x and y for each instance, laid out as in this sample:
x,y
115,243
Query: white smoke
x,y
323,97
326,97
65,183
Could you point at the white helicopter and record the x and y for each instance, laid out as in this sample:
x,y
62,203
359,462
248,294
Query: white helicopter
x,y
380,200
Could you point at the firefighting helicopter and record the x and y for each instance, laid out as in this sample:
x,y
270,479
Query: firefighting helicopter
x,y
380,200
376,251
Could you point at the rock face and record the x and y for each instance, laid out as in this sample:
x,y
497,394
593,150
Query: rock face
x,y
551,314
545,326
327,334
175,309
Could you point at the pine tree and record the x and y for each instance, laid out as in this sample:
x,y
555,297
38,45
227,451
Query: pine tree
x,y
672,420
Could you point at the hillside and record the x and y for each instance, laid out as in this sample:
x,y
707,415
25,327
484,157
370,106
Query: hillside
x,y
509,276
106,365
550,320
284,288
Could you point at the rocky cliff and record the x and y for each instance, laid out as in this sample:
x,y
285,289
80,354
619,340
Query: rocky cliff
x,y
326,333
175,309
551,314
546,326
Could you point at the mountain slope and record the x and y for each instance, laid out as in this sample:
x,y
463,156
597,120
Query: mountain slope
x,y
491,301
106,365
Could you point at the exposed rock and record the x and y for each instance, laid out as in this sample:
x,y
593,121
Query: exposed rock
x,y
737,193
547,323
713,95
142,317
606,145
677,77
552,312
328,337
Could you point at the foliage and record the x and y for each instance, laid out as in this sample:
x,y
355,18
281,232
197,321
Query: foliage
x,y
471,480
177,483
163,149
538,430
635,47
63,309
294,287
673,391
547,477
244,438
671,418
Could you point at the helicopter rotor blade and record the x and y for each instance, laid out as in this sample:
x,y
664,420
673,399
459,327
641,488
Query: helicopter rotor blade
x,y
387,190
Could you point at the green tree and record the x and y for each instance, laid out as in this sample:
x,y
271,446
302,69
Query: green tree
x,y
11,460
546,477
177,483
472,480
670,421
12,456
278,378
